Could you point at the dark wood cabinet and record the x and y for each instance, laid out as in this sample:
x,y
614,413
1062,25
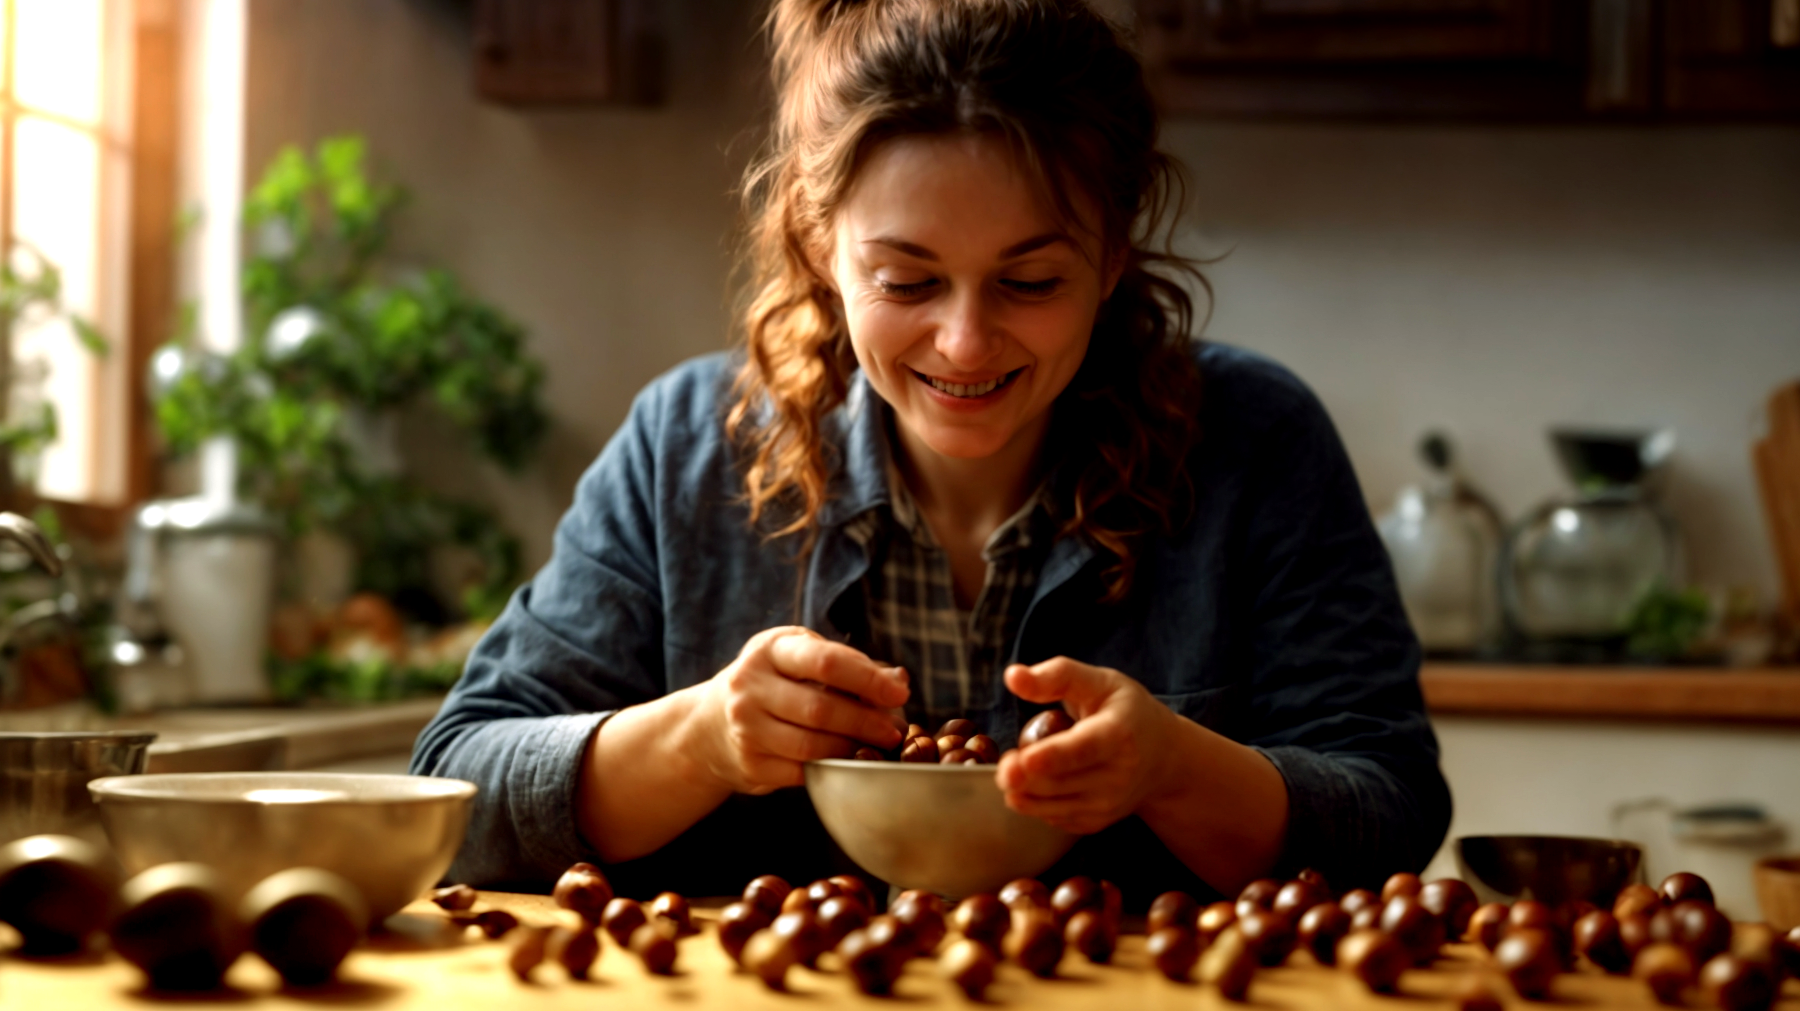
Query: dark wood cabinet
x,y
1480,59
567,52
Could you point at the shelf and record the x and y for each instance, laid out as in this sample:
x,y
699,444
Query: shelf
x,y
1769,695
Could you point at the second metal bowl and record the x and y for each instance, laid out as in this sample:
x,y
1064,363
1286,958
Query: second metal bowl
x,y
1549,868
943,828
44,779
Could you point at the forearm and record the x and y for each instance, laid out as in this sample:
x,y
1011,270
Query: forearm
x,y
640,783
1221,808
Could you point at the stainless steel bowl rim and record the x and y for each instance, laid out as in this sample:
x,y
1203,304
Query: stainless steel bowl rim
x,y
1598,839
909,767
168,786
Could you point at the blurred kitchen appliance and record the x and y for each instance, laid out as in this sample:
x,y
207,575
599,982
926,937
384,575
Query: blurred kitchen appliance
x,y
206,566
1777,457
1721,842
1576,568
1444,539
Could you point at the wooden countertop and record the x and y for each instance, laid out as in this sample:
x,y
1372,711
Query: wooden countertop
x,y
427,965
1769,695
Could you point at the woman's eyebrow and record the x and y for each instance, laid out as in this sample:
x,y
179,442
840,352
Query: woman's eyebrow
x,y
917,251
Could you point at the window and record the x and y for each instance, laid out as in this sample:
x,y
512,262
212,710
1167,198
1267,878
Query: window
x,y
65,173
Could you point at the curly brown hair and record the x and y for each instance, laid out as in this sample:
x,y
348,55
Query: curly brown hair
x,y
1055,81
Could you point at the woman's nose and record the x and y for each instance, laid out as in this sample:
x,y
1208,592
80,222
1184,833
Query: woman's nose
x,y
966,336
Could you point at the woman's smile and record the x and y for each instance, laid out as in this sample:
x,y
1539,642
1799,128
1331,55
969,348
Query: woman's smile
x,y
969,393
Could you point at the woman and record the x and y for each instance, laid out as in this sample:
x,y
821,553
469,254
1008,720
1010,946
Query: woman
x,y
969,464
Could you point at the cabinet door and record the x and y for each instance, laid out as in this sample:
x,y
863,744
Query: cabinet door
x,y
1367,57
1728,59
546,51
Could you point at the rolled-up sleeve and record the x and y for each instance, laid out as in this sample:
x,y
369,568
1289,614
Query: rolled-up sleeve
x,y
580,641
1335,701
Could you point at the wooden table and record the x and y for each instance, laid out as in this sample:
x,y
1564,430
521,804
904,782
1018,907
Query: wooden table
x,y
426,964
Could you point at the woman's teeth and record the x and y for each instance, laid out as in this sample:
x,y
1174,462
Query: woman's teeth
x,y
962,390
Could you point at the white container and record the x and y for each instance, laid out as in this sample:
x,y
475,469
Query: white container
x,y
216,596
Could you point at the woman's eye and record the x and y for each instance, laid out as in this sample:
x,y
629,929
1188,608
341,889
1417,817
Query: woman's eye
x,y
905,290
1044,287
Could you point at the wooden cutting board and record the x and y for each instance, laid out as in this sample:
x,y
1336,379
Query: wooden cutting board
x,y
430,966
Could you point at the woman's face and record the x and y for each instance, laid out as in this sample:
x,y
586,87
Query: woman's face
x,y
969,305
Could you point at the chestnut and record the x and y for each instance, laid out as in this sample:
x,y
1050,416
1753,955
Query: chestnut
x,y
1530,914
854,887
622,917
874,961
575,949
889,932
653,946
767,893
1477,995
1044,724
970,965
1172,909
495,923
1229,965
1596,938
1088,933
529,946
950,742
983,919
1685,887
57,891
1738,984
1296,897
1757,942
1452,901
868,754
454,898
1321,928
1634,933
1358,898
1413,926
1488,923
177,927
674,908
1072,896
838,916
1366,918
1314,877
1034,942
920,750
1268,934
798,901
1788,952
303,921
1260,894
1530,961
801,932
1402,883
1112,903
984,749
823,889
913,730
1173,950
959,756
1666,968
922,916
1374,958
1635,899
770,956
1700,928
585,890
737,922
931,900
957,728
1029,891
1212,922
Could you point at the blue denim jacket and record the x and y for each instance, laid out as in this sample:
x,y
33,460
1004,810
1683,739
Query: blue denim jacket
x,y
1272,618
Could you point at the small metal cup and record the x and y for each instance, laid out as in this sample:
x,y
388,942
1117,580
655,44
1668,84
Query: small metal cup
x,y
44,778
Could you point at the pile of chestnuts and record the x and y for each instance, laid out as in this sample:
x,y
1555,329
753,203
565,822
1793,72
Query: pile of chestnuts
x,y
175,921
959,742
647,930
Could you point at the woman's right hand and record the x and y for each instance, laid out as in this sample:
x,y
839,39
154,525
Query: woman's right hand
x,y
790,697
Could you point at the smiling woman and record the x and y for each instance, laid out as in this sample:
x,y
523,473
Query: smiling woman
x,y
971,465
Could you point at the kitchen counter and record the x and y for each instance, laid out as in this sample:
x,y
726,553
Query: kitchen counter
x,y
1769,696
240,740
425,964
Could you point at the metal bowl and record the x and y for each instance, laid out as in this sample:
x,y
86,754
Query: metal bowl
x,y
1549,868
943,828
44,779
390,836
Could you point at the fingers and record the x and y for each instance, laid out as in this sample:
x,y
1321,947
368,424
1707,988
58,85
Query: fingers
x,y
811,708
1080,687
811,657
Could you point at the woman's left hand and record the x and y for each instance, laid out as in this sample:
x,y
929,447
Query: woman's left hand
x,y
1103,768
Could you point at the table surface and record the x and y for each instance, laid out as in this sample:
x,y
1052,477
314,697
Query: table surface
x,y
1769,696
425,963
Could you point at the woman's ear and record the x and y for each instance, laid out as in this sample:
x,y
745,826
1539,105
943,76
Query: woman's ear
x,y
1114,269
